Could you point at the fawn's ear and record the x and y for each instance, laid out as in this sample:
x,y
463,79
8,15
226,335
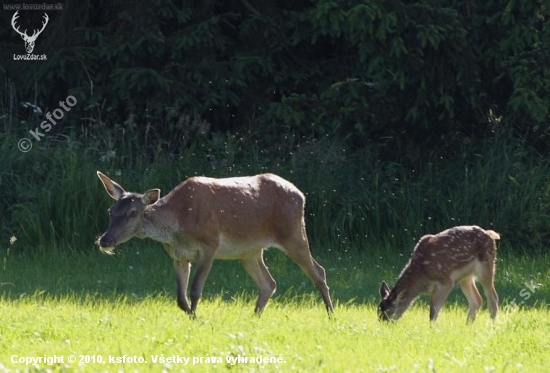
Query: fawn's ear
x,y
112,188
384,290
150,197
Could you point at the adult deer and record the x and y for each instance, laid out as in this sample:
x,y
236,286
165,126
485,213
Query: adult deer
x,y
460,254
204,219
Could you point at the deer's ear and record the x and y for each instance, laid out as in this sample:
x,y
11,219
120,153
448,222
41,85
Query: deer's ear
x,y
384,290
150,197
112,188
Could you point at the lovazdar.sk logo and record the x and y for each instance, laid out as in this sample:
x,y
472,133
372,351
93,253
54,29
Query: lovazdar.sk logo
x,y
29,39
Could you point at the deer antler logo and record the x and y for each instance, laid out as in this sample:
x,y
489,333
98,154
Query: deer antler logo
x,y
29,40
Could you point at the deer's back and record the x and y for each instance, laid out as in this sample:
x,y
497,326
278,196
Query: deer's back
x,y
453,253
240,208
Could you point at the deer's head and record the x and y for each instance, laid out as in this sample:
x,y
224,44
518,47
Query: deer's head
x,y
126,214
387,310
29,40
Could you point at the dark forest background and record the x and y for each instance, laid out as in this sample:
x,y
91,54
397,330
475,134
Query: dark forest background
x,y
396,118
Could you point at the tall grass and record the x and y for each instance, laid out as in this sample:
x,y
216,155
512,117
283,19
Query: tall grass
x,y
51,195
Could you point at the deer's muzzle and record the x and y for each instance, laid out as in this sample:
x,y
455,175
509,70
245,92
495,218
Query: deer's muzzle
x,y
107,244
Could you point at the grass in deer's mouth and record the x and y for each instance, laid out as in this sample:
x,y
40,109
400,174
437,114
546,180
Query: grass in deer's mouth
x,y
109,250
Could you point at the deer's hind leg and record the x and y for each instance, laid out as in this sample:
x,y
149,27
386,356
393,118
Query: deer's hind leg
x,y
255,266
468,287
297,248
486,275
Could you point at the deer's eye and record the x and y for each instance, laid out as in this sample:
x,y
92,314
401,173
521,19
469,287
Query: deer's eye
x,y
133,214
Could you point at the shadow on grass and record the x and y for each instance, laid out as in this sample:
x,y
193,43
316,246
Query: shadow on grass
x,y
142,269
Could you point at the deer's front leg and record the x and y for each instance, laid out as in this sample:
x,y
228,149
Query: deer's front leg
x,y
439,295
182,270
203,266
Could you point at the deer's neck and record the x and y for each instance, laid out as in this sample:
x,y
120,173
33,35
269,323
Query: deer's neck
x,y
158,225
409,286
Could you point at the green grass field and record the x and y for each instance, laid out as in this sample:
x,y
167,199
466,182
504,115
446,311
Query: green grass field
x,y
119,314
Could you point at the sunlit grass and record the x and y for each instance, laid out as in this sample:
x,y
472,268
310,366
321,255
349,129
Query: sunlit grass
x,y
298,332
98,306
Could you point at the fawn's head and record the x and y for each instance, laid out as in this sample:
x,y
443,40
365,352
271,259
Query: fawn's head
x,y
387,310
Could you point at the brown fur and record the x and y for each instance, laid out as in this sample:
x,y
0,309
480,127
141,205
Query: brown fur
x,y
457,255
204,219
